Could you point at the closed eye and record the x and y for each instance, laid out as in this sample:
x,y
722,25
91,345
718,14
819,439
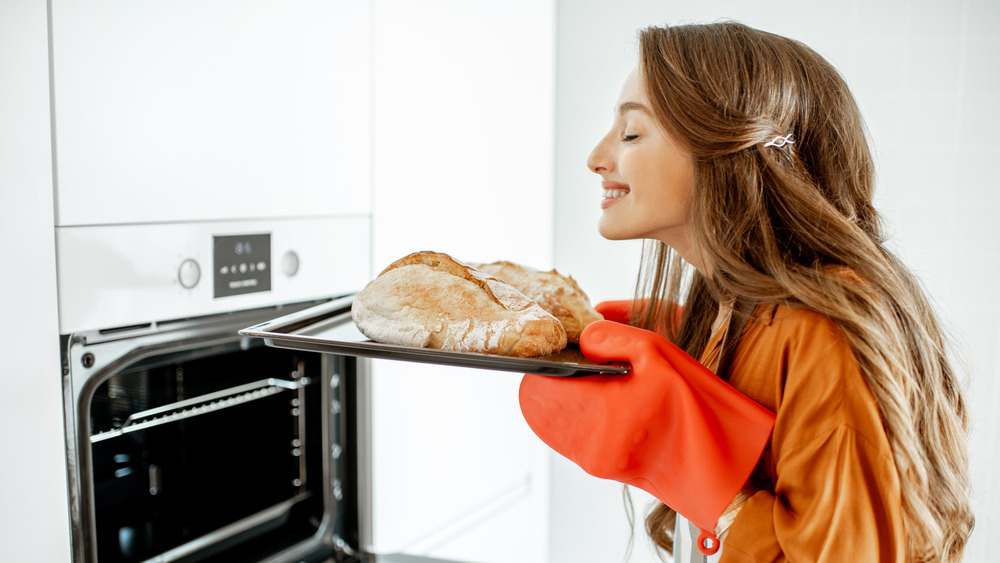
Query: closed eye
x,y
628,138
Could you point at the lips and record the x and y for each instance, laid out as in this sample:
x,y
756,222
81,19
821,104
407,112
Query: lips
x,y
614,190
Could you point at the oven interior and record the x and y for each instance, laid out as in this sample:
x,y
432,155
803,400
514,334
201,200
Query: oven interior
x,y
195,445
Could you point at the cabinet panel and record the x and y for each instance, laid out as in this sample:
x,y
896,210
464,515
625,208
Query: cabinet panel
x,y
463,127
188,110
34,521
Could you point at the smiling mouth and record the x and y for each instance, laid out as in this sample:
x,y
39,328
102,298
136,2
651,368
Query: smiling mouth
x,y
613,196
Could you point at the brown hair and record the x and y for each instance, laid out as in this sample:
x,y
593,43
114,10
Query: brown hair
x,y
782,226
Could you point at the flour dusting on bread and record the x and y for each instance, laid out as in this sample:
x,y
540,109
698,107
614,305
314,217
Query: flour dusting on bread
x,y
558,294
431,300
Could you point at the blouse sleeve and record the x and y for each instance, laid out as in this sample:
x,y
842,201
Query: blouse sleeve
x,y
830,490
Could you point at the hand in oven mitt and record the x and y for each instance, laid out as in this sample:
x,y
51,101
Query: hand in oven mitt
x,y
618,310
670,427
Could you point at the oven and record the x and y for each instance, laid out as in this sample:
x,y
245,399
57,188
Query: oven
x,y
186,441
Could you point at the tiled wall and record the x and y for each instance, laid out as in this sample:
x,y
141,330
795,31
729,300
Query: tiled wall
x,y
927,77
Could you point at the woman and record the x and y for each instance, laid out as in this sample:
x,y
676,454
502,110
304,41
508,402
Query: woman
x,y
741,158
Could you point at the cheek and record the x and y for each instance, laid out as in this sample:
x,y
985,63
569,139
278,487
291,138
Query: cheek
x,y
636,168
657,178
674,178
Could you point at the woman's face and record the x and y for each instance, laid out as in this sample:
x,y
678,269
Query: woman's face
x,y
648,179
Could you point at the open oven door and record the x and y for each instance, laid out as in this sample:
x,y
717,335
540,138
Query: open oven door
x,y
189,442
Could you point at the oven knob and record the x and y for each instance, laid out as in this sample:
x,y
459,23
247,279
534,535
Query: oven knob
x,y
290,263
189,273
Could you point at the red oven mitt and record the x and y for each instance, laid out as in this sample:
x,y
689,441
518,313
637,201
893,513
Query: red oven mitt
x,y
670,427
619,310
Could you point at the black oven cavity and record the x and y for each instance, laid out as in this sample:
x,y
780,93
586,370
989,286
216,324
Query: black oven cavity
x,y
188,443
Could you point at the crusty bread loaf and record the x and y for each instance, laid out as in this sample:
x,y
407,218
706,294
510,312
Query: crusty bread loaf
x,y
556,293
431,300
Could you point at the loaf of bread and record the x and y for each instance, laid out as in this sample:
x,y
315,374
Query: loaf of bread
x,y
558,294
430,300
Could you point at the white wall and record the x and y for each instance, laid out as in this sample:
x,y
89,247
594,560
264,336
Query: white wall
x,y
925,75
34,521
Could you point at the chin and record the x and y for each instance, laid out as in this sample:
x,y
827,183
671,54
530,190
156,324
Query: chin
x,y
614,234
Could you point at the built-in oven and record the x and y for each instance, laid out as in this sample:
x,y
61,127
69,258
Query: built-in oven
x,y
186,441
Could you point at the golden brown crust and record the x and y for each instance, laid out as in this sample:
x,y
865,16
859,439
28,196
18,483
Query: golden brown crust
x,y
431,300
440,262
558,294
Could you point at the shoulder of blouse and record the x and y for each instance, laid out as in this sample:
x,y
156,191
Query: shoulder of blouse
x,y
790,325
794,356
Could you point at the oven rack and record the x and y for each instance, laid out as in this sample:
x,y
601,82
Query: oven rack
x,y
202,404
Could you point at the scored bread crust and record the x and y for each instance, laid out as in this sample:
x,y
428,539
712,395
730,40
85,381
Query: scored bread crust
x,y
430,300
558,294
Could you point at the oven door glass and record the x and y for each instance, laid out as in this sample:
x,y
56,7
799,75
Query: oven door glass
x,y
186,448
210,448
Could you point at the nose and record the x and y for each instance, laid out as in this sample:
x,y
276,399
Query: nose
x,y
599,159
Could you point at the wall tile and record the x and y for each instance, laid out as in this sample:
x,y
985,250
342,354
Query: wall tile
x,y
980,121
934,67
982,17
932,121
977,173
884,68
983,76
930,171
934,18
885,20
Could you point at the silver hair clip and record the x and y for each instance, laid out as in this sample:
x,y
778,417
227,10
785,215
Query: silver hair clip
x,y
780,141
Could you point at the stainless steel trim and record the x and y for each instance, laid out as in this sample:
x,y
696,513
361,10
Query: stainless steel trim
x,y
364,481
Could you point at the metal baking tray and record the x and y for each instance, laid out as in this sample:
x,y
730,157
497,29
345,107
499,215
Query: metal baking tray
x,y
328,328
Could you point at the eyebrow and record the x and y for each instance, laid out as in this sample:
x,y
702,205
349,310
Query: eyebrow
x,y
626,107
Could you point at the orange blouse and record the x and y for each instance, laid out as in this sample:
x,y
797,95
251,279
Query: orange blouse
x,y
828,487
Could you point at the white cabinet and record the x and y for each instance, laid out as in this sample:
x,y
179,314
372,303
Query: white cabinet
x,y
34,514
190,110
463,129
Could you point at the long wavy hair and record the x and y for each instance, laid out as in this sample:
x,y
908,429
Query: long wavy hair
x,y
782,226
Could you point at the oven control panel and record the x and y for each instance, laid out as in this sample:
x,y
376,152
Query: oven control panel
x,y
242,264
123,275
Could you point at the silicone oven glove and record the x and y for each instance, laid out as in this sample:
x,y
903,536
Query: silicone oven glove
x,y
619,310
670,426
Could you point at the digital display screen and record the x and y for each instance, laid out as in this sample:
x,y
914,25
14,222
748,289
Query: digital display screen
x,y
242,264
